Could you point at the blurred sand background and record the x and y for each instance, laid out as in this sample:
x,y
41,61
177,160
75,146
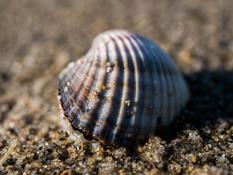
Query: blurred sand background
x,y
39,38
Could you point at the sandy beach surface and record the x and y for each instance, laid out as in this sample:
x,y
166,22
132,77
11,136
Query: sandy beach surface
x,y
39,38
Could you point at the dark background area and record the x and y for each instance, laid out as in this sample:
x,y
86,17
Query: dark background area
x,y
39,38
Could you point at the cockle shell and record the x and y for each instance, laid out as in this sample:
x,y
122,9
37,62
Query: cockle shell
x,y
122,89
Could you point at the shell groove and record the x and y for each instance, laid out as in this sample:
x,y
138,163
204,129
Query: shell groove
x,y
121,89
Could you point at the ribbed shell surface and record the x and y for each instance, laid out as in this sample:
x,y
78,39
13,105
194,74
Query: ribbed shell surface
x,y
121,89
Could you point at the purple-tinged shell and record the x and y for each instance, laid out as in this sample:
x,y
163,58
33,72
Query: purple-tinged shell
x,y
121,89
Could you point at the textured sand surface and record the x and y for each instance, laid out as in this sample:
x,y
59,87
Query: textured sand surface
x,y
39,38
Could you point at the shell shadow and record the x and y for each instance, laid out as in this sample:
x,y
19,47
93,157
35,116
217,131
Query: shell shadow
x,y
211,99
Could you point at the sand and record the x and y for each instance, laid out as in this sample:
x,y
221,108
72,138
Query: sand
x,y
39,38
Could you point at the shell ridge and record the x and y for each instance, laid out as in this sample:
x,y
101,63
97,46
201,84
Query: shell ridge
x,y
163,75
146,88
174,93
97,128
89,75
118,92
153,86
85,70
98,108
65,94
96,92
123,122
161,84
72,94
178,91
165,105
80,69
80,104
174,74
63,88
164,56
125,88
67,106
136,89
131,111
170,90
71,100
139,95
166,74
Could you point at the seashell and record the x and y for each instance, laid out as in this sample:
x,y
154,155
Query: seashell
x,y
122,89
